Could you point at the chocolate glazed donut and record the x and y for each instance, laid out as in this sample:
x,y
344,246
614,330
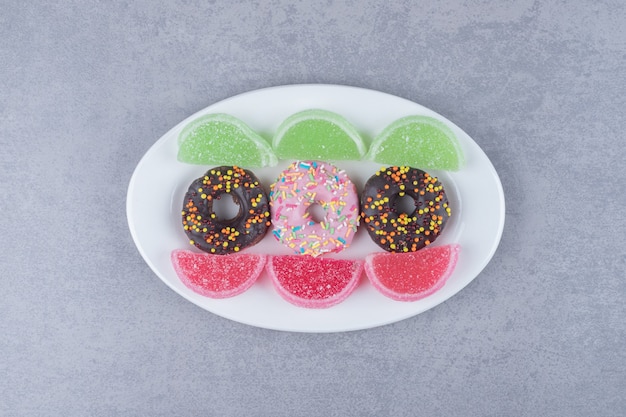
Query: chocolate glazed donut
x,y
206,230
392,228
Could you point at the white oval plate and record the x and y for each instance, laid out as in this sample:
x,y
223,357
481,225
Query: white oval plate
x,y
159,183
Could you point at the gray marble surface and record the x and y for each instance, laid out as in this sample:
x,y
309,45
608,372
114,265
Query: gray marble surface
x,y
88,329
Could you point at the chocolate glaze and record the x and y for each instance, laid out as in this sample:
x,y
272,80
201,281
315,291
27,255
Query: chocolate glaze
x,y
206,230
390,227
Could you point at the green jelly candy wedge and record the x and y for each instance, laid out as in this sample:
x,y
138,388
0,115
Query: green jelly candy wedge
x,y
419,142
318,134
224,140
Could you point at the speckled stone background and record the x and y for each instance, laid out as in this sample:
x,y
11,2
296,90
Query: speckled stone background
x,y
87,329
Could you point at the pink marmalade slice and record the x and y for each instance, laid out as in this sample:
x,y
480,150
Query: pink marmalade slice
x,y
410,276
217,276
311,282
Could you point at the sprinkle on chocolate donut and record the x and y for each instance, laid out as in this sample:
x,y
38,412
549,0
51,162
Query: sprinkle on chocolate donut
x,y
388,225
206,230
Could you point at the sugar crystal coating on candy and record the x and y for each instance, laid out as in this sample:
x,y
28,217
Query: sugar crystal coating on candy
x,y
314,282
217,276
418,141
318,134
413,275
225,140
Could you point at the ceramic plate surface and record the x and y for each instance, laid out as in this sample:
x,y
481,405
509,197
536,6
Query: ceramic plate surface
x,y
158,185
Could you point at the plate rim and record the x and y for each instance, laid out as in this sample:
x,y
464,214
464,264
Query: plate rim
x,y
164,137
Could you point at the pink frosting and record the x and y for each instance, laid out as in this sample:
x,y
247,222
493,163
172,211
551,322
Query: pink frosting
x,y
306,183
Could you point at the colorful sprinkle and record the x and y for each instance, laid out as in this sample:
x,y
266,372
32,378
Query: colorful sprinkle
x,y
221,236
307,183
390,227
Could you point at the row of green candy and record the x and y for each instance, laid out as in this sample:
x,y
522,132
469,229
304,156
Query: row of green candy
x,y
315,134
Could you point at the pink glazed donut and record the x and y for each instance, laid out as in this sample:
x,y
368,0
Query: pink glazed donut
x,y
306,183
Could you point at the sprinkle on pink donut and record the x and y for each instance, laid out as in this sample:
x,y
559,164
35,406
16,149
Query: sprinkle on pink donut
x,y
303,184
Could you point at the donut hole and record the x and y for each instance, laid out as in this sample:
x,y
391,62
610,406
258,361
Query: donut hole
x,y
316,212
225,207
404,205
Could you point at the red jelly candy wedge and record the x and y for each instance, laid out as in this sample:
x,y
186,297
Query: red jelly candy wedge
x,y
217,276
410,276
311,282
